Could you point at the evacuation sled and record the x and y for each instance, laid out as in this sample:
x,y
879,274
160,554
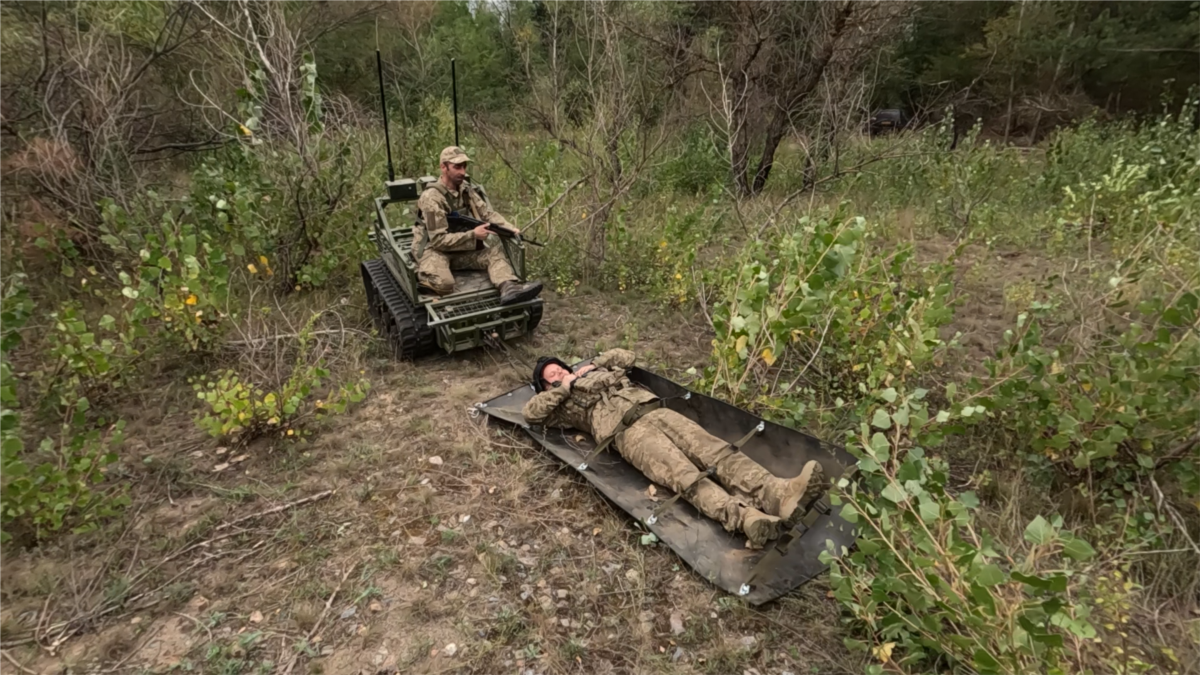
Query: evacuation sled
x,y
719,556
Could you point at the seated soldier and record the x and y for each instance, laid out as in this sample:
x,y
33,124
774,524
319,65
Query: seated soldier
x,y
437,250
670,449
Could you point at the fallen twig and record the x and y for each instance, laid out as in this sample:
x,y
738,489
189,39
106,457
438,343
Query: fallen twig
x,y
259,342
13,661
317,626
1161,502
132,653
282,507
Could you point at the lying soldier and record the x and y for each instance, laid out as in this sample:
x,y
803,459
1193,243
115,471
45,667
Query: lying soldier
x,y
668,448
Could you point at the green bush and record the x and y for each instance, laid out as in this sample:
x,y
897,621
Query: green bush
x,y
803,321
927,583
237,408
697,167
54,485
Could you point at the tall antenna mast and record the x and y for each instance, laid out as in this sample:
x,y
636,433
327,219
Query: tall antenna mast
x,y
387,138
454,89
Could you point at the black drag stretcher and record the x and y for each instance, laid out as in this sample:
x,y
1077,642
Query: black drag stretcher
x,y
759,576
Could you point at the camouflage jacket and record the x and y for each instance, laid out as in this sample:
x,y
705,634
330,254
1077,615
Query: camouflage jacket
x,y
595,402
435,204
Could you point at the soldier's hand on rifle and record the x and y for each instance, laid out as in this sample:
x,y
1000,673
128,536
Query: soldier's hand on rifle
x,y
481,231
568,379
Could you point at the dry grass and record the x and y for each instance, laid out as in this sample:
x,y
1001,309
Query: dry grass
x,y
498,550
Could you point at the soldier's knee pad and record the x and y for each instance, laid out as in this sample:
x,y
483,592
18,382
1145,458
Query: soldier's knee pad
x,y
437,284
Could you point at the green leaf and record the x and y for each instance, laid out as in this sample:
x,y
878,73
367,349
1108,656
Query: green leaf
x,y
901,417
880,445
930,510
888,394
130,293
1056,583
989,575
1039,532
969,500
895,493
985,662
1078,549
238,249
881,420
943,416
983,598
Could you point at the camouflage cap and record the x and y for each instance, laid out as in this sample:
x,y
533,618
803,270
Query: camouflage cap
x,y
454,155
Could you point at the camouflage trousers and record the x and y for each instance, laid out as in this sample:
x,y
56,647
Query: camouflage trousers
x,y
434,269
674,452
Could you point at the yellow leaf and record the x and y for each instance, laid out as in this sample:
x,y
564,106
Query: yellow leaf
x,y
741,343
243,129
263,259
1055,368
252,268
768,356
884,651
191,299
1087,386
678,275
291,433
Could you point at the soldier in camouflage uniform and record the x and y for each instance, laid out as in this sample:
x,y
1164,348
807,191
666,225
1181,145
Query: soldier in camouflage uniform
x,y
670,449
438,250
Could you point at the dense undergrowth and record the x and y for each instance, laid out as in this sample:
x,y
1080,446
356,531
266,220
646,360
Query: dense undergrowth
x,y
1043,553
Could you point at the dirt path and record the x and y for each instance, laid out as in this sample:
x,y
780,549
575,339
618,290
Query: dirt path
x,y
447,545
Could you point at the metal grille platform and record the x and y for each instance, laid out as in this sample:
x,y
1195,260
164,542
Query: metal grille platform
x,y
465,308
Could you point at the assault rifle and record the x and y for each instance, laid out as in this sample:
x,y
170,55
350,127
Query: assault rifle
x,y
460,223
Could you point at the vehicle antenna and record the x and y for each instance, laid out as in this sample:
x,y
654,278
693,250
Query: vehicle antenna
x,y
387,138
454,91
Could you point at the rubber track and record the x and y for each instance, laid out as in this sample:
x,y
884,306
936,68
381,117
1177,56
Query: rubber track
x,y
415,338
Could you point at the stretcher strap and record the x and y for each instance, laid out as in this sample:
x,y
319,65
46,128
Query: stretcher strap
x,y
818,507
658,511
630,417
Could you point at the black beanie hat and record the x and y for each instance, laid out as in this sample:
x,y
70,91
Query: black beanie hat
x,y
541,365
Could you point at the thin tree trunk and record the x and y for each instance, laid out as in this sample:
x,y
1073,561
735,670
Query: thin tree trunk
x,y
774,135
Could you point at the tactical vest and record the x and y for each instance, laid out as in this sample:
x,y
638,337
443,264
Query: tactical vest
x,y
422,238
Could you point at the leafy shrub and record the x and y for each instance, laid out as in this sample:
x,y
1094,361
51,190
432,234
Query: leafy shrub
x,y
927,582
660,259
804,320
238,408
44,489
697,168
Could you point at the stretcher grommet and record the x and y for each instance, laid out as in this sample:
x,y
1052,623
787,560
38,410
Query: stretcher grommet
x,y
651,519
760,427
582,466
687,396
744,590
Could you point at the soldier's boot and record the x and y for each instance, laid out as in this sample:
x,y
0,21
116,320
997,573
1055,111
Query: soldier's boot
x,y
713,501
759,527
783,497
512,292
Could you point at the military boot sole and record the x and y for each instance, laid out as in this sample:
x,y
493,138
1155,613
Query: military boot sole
x,y
521,293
